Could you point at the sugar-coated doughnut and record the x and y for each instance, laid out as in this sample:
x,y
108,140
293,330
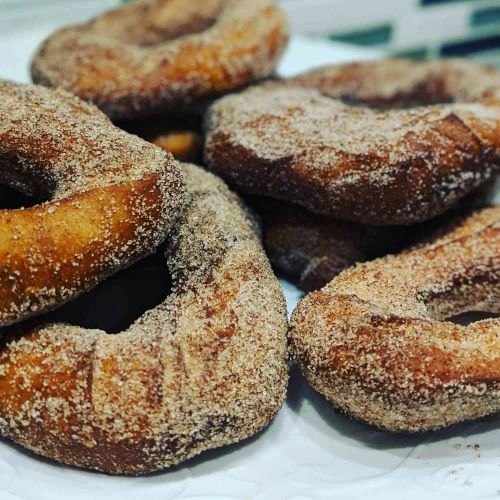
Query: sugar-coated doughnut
x,y
396,166
152,56
403,83
311,249
110,198
205,368
375,341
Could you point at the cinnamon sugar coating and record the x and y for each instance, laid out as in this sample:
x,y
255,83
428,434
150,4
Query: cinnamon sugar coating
x,y
398,166
403,83
112,198
158,55
311,249
205,368
375,342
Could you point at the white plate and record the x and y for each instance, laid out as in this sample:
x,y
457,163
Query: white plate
x,y
308,451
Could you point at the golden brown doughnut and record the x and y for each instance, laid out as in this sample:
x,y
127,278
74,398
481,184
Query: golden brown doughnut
x,y
375,342
179,136
352,163
156,55
403,83
184,145
178,133
311,249
205,368
111,199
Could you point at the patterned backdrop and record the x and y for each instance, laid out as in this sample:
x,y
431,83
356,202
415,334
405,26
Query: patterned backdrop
x,y
415,28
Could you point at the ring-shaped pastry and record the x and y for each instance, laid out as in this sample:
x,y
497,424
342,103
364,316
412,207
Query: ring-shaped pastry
x,y
205,368
152,56
374,340
110,198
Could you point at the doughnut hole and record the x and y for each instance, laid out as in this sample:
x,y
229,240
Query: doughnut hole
x,y
10,199
467,318
117,302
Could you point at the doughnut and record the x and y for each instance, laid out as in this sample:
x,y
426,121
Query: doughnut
x,y
184,145
311,249
106,199
375,341
177,134
396,166
403,83
152,56
205,368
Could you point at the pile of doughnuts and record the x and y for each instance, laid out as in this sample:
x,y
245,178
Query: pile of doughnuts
x,y
358,161
373,179
205,368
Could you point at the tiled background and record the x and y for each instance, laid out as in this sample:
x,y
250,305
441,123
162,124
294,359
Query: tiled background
x,y
415,28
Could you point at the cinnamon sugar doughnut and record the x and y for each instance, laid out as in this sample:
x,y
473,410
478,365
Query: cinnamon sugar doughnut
x,y
402,83
352,163
311,249
184,145
155,55
205,368
111,198
375,343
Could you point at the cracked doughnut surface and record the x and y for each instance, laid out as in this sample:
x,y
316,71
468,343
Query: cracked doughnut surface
x,y
396,166
375,342
205,368
153,56
112,197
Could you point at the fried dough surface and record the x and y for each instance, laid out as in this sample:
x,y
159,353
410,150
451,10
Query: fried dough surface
x,y
111,198
376,343
205,368
154,56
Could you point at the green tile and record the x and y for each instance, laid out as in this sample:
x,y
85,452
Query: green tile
x,y
417,54
377,35
485,17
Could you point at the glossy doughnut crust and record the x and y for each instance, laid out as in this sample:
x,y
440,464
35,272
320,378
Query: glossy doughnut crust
x,y
205,368
156,55
375,343
311,249
112,198
352,163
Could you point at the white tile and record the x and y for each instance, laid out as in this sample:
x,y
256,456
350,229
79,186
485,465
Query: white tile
x,y
327,16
